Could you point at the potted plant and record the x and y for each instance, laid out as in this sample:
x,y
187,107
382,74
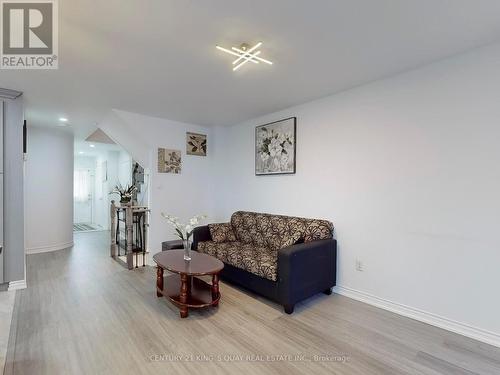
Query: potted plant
x,y
126,193
184,231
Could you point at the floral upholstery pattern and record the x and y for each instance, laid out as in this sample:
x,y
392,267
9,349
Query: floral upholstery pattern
x,y
222,232
245,228
291,240
318,230
258,260
277,231
252,240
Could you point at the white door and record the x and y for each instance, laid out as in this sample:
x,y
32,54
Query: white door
x,y
83,196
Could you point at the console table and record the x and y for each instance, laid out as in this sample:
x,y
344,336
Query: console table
x,y
135,241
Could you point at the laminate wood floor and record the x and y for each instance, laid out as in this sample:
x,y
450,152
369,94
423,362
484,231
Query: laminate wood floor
x,y
6,308
84,314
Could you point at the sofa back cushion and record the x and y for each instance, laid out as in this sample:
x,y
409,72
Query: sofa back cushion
x,y
222,232
246,229
277,231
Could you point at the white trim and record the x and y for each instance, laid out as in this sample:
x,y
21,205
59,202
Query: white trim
x,y
423,316
16,285
46,249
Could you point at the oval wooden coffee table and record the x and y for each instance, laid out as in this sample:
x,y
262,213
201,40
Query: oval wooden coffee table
x,y
183,288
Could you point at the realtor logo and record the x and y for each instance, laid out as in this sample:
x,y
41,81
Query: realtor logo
x,y
28,34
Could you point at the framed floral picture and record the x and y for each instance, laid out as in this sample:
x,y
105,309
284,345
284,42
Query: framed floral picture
x,y
275,147
196,144
169,161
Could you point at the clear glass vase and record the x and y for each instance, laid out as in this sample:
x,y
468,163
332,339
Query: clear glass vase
x,y
187,249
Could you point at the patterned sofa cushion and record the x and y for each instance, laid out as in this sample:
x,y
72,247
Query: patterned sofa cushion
x,y
318,230
258,260
246,229
282,231
222,232
277,231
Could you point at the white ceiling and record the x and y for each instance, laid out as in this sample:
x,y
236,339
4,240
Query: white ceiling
x,y
158,57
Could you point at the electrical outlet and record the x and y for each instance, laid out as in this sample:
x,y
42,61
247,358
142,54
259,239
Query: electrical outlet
x,y
360,265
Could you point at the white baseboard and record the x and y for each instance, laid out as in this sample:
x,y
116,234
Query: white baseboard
x,y
16,285
46,249
422,316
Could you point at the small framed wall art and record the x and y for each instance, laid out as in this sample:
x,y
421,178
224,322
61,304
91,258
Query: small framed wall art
x,y
169,161
196,144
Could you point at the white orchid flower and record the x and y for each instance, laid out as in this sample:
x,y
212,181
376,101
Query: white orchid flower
x,y
183,231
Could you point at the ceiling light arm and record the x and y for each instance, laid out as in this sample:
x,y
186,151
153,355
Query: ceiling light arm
x,y
244,55
253,56
247,52
248,56
245,60
232,53
240,65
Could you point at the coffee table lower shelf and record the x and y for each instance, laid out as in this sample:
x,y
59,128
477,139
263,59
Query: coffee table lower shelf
x,y
197,293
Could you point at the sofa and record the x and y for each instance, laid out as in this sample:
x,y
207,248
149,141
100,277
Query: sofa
x,y
284,258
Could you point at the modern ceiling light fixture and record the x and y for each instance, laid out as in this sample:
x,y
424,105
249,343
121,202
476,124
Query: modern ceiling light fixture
x,y
245,54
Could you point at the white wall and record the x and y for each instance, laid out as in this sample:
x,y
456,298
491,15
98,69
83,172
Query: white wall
x,y
185,194
407,170
49,190
128,135
124,168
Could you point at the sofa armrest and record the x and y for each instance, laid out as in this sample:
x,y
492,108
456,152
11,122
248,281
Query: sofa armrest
x,y
200,234
306,269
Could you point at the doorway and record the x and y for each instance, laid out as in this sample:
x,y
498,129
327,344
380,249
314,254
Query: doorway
x,y
98,169
83,200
